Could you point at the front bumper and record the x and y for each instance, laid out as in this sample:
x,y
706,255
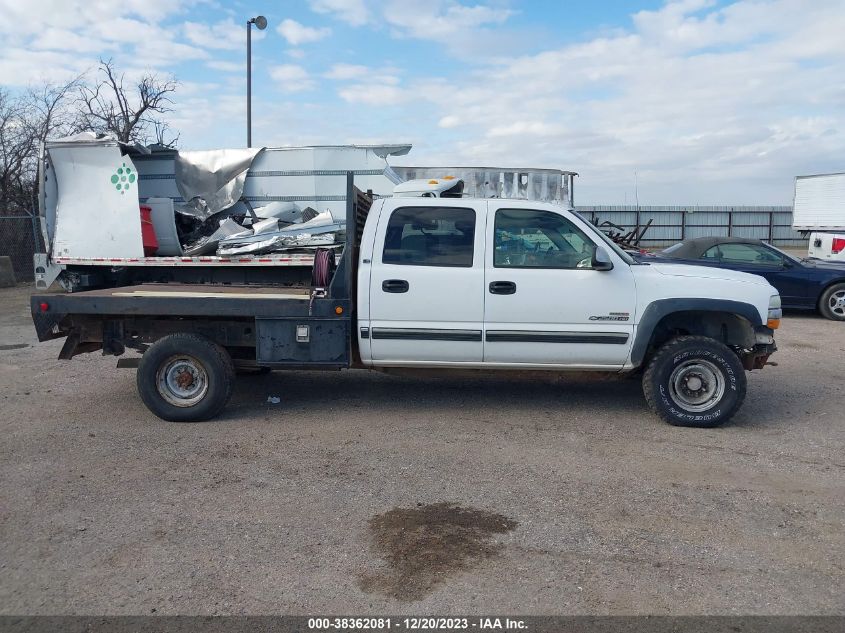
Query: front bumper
x,y
764,346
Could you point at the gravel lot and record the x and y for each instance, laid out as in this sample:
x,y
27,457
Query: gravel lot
x,y
364,493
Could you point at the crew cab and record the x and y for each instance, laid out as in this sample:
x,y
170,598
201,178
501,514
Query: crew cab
x,y
444,283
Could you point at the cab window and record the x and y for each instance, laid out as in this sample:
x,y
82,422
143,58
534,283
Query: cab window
x,y
430,236
525,238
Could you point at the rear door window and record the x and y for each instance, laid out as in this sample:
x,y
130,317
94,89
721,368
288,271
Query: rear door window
x,y
430,236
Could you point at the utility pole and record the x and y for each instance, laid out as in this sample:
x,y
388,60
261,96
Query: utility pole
x,y
261,22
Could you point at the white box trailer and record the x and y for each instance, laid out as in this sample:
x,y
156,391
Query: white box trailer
x,y
818,208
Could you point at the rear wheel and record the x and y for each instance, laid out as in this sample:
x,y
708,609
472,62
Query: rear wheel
x,y
185,378
694,381
832,303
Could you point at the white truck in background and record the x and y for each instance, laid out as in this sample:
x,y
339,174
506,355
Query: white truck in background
x,y
818,208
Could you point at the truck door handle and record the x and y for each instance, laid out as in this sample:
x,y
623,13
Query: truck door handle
x,y
395,285
502,287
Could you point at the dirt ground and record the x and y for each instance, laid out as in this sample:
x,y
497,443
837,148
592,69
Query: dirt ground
x,y
361,493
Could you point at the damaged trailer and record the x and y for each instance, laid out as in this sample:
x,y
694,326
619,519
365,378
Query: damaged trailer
x,y
115,214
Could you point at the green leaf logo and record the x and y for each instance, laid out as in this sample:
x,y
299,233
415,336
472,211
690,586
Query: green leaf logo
x,y
122,178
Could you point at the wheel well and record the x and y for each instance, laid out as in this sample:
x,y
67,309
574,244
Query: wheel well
x,y
731,329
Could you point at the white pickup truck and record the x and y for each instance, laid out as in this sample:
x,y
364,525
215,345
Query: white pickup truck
x,y
442,283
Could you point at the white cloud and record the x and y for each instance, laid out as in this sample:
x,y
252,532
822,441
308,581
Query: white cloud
x,y
522,128
297,34
374,95
435,21
372,86
225,35
709,101
466,30
227,67
132,32
292,78
195,114
709,104
61,39
347,71
353,12
22,67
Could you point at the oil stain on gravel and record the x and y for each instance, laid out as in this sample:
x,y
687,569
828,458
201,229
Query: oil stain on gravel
x,y
425,545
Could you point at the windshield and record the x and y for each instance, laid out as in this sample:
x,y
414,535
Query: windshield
x,y
791,258
613,245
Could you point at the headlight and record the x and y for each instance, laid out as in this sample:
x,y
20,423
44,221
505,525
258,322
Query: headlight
x,y
775,312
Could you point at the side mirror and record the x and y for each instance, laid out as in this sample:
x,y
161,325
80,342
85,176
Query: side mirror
x,y
601,260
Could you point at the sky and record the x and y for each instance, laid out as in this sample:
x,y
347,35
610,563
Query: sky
x,y
677,102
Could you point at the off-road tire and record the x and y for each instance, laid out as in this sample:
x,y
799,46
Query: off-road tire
x,y
824,303
658,385
212,359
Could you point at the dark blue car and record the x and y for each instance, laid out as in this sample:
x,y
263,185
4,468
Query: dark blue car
x,y
807,284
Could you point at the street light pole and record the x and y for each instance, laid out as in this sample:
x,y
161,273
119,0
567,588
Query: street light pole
x,y
261,22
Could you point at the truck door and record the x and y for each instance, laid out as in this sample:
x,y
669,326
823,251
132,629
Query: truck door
x,y
427,282
545,304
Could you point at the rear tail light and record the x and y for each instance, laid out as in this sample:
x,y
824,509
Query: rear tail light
x,y
44,307
838,245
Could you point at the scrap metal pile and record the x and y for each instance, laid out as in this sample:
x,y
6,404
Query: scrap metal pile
x,y
217,218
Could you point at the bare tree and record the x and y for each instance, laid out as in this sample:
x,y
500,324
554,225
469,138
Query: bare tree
x,y
48,111
30,117
17,145
26,120
163,134
127,113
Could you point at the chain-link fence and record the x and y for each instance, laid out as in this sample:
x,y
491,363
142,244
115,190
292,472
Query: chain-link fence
x,y
19,239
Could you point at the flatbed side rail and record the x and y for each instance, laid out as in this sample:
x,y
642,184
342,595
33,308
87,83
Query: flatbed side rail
x,y
124,302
